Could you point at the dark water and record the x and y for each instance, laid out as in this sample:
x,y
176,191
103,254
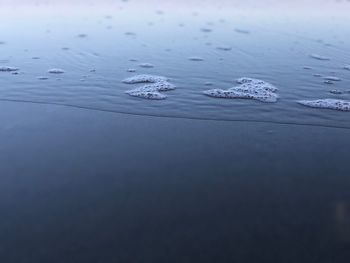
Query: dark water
x,y
90,174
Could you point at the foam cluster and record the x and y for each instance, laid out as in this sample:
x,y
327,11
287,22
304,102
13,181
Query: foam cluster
x,y
152,90
334,104
248,89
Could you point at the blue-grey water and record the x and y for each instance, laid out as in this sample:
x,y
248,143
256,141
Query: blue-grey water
x,y
91,174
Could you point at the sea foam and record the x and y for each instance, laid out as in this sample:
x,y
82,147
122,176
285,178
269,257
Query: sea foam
x,y
155,85
144,78
334,104
248,89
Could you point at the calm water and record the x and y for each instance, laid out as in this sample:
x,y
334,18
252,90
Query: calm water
x,y
82,179
96,50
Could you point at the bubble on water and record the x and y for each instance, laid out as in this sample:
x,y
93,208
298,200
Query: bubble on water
x,y
329,82
319,57
8,69
146,65
92,70
14,73
195,59
149,91
56,71
347,67
248,89
224,48
65,48
42,78
242,31
317,75
133,60
334,104
332,78
35,58
208,83
144,78
307,67
131,70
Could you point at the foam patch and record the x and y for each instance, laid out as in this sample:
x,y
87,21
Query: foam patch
x,y
248,89
334,104
152,90
144,78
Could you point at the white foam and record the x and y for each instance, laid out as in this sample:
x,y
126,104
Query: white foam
x,y
144,78
56,71
152,90
249,89
257,83
8,69
146,65
319,57
334,104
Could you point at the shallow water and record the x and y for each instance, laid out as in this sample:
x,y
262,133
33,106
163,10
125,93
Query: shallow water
x,y
96,52
81,185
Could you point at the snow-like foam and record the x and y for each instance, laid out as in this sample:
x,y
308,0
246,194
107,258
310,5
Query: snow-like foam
x,y
156,84
334,104
8,69
248,89
319,57
56,71
144,78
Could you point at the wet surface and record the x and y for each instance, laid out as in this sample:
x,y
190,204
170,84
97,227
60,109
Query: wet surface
x,y
188,177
